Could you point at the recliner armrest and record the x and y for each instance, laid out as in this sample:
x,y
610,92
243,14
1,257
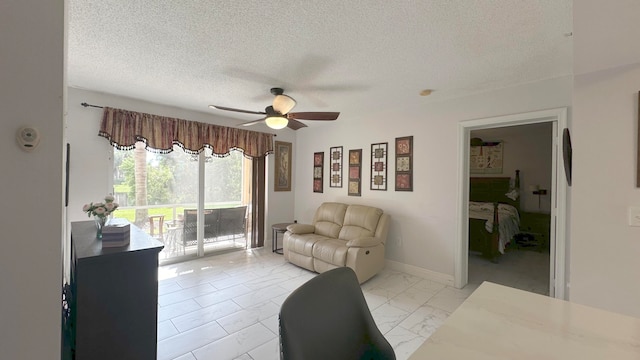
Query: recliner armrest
x,y
301,228
364,242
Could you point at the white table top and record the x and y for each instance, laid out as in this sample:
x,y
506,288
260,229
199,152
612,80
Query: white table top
x,y
499,322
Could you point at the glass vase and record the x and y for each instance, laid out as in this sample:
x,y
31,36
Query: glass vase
x,y
100,223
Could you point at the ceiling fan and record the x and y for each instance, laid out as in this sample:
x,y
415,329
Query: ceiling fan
x,y
277,115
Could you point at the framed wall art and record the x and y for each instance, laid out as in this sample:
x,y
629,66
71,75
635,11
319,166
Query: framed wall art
x,y
282,173
486,157
335,154
379,166
318,169
404,163
355,173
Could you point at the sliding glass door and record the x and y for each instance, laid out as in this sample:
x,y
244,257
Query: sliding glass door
x,y
194,204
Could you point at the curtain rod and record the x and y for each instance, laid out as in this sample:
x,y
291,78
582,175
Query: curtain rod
x,y
95,106
102,107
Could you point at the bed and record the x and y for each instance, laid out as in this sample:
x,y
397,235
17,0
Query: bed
x,y
494,205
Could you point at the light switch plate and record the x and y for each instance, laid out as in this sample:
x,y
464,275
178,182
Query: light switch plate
x,y
634,215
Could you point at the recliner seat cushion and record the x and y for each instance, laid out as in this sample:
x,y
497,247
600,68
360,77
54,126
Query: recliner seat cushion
x,y
332,251
304,243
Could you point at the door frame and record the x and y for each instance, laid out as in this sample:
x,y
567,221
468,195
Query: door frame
x,y
559,186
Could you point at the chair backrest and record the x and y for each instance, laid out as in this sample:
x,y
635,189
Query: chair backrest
x,y
328,318
190,226
232,221
156,225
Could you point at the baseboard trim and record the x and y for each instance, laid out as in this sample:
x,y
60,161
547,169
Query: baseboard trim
x,y
421,272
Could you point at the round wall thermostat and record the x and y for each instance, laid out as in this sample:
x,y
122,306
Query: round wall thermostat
x,y
28,138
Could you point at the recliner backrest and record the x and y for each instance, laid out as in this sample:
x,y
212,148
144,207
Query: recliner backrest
x,y
360,221
329,218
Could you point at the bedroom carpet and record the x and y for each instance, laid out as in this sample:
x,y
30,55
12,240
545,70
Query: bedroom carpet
x,y
522,269
226,306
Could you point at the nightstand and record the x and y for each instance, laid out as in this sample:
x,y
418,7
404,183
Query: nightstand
x,y
537,225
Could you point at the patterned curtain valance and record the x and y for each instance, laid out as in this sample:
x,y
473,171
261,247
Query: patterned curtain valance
x,y
123,128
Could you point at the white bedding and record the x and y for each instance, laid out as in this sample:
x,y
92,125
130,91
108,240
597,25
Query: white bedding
x,y
508,218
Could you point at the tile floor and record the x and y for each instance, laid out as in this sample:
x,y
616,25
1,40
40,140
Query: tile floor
x,y
226,306
523,269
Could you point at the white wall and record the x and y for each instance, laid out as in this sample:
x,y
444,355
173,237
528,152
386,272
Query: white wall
x,y
527,148
91,155
605,249
423,222
604,264
32,78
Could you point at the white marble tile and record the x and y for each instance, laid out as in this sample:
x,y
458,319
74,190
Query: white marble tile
x,y
374,301
185,342
267,351
165,287
273,323
430,286
222,295
404,342
267,280
186,294
236,344
234,280
392,282
166,329
448,299
394,298
425,321
187,356
243,357
177,309
387,317
243,318
202,316
411,299
281,298
258,296
201,278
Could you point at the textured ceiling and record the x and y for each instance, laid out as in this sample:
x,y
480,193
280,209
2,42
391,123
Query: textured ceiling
x,y
335,55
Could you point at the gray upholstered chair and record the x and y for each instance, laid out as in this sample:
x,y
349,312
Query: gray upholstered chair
x,y
328,318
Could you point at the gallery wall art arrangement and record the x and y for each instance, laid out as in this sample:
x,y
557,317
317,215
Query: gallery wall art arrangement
x,y
379,168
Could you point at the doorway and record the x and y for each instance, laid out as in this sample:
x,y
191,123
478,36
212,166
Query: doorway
x,y
557,193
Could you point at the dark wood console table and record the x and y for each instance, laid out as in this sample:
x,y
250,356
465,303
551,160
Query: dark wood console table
x,y
114,293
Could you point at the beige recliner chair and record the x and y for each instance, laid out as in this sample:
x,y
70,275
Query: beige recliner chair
x,y
340,235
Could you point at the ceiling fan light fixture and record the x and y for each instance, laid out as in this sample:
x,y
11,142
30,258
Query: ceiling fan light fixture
x,y
276,122
283,104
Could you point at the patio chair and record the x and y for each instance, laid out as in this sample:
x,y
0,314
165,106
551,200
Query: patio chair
x,y
156,227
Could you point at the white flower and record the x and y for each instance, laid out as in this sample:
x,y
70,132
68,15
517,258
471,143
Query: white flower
x,y
101,209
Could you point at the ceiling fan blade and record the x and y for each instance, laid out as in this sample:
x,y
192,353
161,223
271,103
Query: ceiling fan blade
x,y
249,123
295,124
237,110
314,115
